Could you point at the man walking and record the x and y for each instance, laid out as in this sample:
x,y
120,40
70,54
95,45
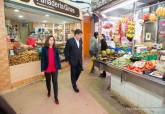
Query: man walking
x,y
73,54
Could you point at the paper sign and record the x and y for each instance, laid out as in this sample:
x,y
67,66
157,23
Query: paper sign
x,y
148,36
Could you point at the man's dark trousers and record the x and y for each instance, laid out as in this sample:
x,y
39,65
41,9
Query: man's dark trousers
x,y
75,73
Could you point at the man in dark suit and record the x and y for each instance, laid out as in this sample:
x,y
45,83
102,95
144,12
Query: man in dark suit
x,y
73,54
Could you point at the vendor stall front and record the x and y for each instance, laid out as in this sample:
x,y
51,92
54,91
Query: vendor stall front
x,y
27,24
137,63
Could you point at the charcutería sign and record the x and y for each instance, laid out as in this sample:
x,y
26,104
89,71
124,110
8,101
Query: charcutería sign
x,y
58,6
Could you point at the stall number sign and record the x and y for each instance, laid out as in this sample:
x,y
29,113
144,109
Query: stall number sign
x,y
58,6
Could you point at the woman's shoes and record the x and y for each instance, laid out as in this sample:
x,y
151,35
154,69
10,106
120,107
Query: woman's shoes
x,y
48,95
56,101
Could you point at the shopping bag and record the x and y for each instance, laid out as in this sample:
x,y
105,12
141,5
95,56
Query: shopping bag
x,y
91,63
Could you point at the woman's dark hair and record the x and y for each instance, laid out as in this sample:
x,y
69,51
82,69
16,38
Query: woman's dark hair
x,y
96,34
103,35
47,41
77,31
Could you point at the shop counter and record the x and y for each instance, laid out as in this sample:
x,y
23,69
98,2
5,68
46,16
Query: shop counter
x,y
143,91
24,71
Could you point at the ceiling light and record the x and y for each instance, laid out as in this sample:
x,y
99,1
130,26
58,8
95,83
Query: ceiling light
x,y
44,21
114,18
126,3
16,10
47,15
20,16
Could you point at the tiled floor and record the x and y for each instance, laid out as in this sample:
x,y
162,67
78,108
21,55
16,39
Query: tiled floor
x,y
32,99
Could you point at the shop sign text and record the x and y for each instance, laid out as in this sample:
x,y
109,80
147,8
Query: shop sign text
x,y
58,6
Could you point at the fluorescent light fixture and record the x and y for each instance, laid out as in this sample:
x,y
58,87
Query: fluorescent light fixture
x,y
45,21
146,10
16,10
20,16
114,18
104,16
126,3
47,15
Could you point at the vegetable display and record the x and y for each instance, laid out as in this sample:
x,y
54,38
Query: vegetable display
x,y
122,61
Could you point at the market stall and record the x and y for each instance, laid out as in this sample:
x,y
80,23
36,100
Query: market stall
x,y
137,64
27,26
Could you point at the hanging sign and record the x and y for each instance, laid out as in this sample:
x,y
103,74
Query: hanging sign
x,y
53,5
58,6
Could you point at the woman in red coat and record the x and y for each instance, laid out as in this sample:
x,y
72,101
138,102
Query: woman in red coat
x,y
50,64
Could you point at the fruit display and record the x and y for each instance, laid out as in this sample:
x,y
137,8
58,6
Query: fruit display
x,y
149,17
160,11
131,30
142,63
107,52
24,57
146,17
106,55
152,17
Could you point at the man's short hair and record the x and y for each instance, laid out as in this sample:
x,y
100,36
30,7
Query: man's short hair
x,y
77,31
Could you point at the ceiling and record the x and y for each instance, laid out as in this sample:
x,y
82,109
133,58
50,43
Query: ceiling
x,y
86,5
35,15
125,9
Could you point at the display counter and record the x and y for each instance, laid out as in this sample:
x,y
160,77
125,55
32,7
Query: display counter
x,y
25,71
145,92
23,57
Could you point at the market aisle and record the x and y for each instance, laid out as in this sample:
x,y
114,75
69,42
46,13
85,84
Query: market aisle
x,y
32,99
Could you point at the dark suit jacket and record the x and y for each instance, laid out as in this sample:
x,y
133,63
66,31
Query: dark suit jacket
x,y
73,54
44,58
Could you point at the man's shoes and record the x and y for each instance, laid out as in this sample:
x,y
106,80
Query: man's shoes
x,y
102,75
56,101
76,90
